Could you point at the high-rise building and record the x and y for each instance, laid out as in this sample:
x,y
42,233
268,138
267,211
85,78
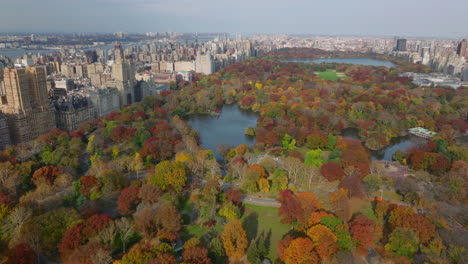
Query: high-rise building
x,y
123,73
204,63
400,45
25,103
104,101
5,138
462,49
464,73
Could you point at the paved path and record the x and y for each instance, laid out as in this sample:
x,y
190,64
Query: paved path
x,y
254,200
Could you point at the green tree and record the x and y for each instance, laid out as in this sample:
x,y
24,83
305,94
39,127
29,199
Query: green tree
x,y
403,241
372,182
288,142
314,158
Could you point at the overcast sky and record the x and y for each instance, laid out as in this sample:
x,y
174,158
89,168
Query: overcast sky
x,y
432,18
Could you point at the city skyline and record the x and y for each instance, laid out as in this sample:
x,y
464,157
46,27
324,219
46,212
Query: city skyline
x,y
417,18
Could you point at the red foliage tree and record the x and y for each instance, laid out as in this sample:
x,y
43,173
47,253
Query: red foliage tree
x,y
71,240
196,255
128,200
21,254
79,233
5,198
362,229
332,171
234,195
354,186
290,209
87,183
122,134
95,223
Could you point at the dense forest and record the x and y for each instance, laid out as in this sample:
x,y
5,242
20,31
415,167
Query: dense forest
x,y
136,186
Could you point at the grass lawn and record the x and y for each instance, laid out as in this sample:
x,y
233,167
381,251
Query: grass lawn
x,y
258,219
328,75
198,230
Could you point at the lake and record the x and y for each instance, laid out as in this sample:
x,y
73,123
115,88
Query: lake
x,y
226,128
360,61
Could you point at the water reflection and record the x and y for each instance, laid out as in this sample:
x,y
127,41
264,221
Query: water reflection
x,y
226,128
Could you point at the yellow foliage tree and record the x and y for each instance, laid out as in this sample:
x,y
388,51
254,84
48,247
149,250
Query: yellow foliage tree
x,y
234,240
263,185
183,157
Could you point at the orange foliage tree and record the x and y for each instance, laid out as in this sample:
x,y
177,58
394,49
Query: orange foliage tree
x,y
234,239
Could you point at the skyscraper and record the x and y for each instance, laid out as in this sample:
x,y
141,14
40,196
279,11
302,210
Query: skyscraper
x,y
400,45
123,73
25,103
462,49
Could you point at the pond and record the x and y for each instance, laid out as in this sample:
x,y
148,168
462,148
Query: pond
x,y
399,143
360,61
226,128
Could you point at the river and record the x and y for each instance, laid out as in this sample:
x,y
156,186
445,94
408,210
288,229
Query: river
x,y
360,61
16,53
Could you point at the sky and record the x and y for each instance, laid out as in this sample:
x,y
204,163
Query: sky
x,y
429,18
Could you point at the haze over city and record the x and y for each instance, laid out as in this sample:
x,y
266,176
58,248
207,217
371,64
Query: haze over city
x,y
233,132
430,18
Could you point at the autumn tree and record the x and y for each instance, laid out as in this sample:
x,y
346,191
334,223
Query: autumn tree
x,y
290,209
299,251
403,216
149,193
87,184
332,171
46,174
196,255
128,200
234,195
168,218
362,229
169,175
340,202
22,254
234,239
403,242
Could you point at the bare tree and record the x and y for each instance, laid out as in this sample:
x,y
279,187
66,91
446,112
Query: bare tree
x,y
294,167
11,226
101,257
125,230
107,235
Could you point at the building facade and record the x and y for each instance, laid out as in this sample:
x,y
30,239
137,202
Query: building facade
x,y
5,138
400,45
71,111
25,103
105,101
462,48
